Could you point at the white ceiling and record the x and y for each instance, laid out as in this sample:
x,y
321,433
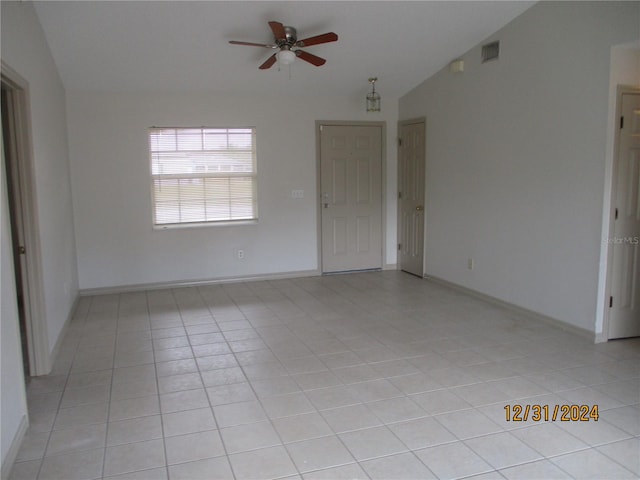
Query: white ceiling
x,y
183,45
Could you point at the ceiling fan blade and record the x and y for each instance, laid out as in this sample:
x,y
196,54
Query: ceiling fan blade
x,y
269,62
324,38
312,59
278,30
234,42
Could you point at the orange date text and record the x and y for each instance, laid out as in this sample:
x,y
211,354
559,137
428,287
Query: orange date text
x,y
546,413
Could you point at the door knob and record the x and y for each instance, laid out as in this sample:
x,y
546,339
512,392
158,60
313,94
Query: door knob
x,y
325,199
419,208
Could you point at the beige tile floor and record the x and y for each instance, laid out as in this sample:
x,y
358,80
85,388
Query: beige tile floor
x,y
373,375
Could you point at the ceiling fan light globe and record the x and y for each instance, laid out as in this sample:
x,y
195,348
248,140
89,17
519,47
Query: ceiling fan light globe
x,y
286,57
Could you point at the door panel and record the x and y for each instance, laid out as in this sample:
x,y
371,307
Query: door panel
x,y
351,186
411,178
363,182
363,234
339,236
624,315
339,183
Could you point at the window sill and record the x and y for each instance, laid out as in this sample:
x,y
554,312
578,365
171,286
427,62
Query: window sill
x,y
181,226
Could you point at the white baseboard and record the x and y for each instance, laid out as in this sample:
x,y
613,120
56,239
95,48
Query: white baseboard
x,y
554,322
63,331
601,337
390,266
12,453
196,283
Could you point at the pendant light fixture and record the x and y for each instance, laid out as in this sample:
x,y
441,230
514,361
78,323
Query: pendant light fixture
x,y
373,97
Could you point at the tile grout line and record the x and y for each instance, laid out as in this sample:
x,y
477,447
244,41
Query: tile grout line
x,y
157,378
57,411
204,388
113,371
249,383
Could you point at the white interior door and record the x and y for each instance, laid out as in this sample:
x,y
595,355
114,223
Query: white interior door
x,y
411,178
18,165
624,314
10,164
351,196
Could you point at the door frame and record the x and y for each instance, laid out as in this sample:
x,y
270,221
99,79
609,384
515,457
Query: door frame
x,y
402,123
23,165
620,91
383,147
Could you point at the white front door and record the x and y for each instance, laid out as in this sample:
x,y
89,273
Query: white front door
x,y
411,178
351,197
624,314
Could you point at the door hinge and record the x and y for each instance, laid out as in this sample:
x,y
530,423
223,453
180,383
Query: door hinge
x,y
399,246
399,142
399,194
621,123
616,215
610,302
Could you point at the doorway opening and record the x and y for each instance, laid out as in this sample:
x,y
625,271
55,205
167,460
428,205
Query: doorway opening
x,y
20,180
9,149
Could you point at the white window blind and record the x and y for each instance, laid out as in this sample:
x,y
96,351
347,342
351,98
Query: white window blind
x,y
203,175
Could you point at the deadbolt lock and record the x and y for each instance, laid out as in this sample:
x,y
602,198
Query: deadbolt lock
x,y
419,208
22,250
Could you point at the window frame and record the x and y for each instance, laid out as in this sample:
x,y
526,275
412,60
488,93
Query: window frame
x,y
224,173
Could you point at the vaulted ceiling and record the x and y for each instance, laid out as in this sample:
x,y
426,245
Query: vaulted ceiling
x,y
134,46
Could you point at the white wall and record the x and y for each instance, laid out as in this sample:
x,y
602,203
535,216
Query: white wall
x,y
112,195
25,51
516,154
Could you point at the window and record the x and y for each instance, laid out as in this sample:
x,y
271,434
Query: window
x,y
203,175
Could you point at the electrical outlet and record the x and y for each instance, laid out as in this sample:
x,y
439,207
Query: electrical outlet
x,y
470,264
240,254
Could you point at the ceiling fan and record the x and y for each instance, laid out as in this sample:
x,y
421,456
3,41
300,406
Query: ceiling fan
x,y
288,46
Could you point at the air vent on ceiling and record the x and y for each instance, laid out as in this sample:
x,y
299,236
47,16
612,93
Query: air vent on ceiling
x,y
490,51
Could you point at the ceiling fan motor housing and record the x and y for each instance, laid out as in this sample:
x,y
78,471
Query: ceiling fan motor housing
x,y
291,37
